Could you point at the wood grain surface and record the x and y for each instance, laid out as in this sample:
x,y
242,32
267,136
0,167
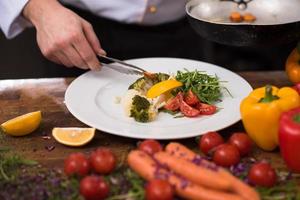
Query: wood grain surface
x,y
21,96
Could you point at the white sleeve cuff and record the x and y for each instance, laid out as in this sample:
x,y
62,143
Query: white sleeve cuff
x,y
11,20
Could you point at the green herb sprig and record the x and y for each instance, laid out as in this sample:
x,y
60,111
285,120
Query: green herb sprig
x,y
206,87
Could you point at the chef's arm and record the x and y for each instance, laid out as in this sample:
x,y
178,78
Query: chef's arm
x,y
63,36
11,20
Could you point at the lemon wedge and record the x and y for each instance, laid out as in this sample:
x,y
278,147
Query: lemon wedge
x,y
162,87
22,125
73,136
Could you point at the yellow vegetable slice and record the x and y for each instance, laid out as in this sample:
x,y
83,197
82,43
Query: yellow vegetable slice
x,y
162,87
22,125
73,136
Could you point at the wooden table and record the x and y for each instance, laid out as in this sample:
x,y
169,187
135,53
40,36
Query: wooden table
x,y
21,96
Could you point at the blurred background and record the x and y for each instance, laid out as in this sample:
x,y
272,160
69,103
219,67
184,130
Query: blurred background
x,y
21,57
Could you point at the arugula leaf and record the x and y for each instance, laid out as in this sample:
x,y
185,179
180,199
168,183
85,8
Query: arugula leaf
x,y
206,87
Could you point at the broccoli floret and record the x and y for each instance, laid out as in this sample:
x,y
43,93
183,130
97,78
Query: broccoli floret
x,y
140,109
138,84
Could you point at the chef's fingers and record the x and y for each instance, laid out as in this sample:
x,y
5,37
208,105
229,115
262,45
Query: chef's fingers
x,y
74,57
92,37
63,59
86,52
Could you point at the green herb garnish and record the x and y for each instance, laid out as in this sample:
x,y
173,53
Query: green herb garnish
x,y
206,87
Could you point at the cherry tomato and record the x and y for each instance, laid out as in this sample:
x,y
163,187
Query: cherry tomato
x,y
226,155
188,111
242,141
94,188
150,146
174,103
158,189
209,141
190,98
206,109
262,174
76,164
103,161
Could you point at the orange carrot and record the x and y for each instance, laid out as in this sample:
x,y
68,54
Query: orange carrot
x,y
149,169
197,174
239,187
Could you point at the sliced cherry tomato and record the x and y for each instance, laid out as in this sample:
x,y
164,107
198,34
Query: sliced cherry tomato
x,y
94,188
206,109
174,103
103,161
209,141
190,98
226,155
242,141
150,146
76,164
262,174
159,190
188,111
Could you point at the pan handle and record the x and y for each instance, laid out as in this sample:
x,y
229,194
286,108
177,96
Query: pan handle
x,y
241,4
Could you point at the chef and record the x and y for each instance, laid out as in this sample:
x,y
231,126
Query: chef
x,y
73,32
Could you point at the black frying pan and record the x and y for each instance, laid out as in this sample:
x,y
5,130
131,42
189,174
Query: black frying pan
x,y
278,21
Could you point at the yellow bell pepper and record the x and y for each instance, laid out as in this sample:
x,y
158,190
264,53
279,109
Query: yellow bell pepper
x,y
260,113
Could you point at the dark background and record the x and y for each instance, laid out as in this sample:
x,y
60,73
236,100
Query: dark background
x,y
21,57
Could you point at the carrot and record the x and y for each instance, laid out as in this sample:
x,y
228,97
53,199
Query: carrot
x,y
197,174
238,186
147,168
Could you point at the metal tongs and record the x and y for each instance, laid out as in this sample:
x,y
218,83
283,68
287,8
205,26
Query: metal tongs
x,y
126,68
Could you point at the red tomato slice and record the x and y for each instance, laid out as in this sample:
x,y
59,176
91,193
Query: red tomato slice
x,y
206,109
188,111
174,103
190,98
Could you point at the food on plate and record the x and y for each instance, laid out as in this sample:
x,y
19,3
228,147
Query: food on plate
x,y
260,113
238,17
226,155
191,93
94,187
262,174
209,141
242,141
22,125
103,160
245,191
162,87
158,189
149,169
289,138
292,65
73,136
76,164
150,146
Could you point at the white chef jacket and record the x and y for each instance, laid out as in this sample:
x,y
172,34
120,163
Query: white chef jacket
x,y
146,12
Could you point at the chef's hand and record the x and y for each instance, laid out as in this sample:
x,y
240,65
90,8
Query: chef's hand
x,y
63,36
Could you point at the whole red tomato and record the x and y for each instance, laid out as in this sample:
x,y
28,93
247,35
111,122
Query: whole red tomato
x,y
76,164
150,146
242,141
209,141
158,189
262,174
94,188
226,155
103,161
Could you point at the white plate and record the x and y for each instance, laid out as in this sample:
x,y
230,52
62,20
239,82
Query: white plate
x,y
91,99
